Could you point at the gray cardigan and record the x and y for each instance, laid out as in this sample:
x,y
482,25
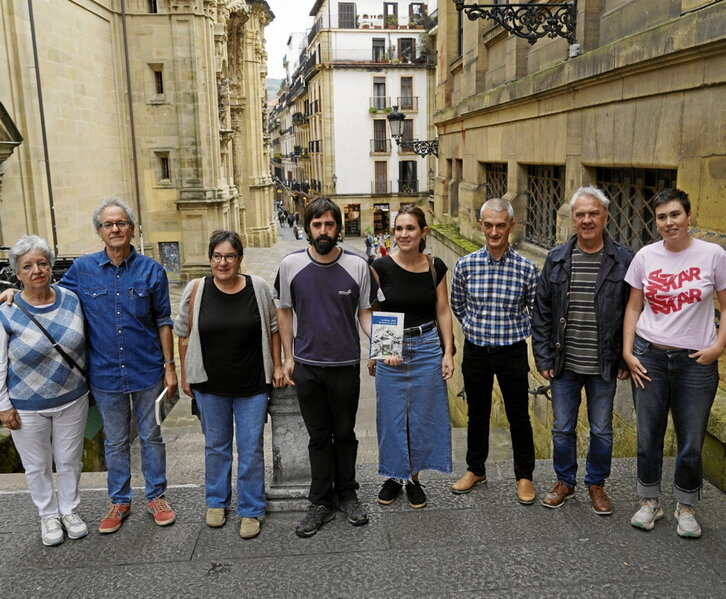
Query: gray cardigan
x,y
193,364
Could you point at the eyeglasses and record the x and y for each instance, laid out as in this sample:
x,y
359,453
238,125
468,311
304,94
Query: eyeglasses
x,y
227,257
121,224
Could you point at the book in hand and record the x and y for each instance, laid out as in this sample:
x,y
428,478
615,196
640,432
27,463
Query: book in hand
x,y
386,335
163,405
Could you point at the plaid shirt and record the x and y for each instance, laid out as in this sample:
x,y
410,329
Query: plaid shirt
x,y
493,299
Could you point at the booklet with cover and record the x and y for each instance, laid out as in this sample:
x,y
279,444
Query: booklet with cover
x,y
163,405
386,335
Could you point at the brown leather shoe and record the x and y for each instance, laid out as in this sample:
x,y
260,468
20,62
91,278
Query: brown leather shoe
x,y
557,495
525,491
467,482
601,503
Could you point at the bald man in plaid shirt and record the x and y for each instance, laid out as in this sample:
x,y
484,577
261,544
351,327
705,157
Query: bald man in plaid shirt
x,y
492,295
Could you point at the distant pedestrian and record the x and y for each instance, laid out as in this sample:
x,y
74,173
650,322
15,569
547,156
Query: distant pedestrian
x,y
672,345
329,290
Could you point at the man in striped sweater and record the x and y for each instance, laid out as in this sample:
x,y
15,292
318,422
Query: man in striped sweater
x,y
577,340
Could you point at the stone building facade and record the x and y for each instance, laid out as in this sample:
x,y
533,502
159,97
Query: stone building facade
x,y
159,102
330,134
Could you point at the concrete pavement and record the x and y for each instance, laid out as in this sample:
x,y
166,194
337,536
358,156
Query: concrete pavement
x,y
480,545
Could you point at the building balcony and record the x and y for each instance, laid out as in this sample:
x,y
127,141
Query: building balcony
x,y
407,103
380,185
380,146
408,186
379,104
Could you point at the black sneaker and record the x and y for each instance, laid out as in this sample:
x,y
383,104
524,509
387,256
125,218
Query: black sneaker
x,y
389,491
354,510
415,494
317,516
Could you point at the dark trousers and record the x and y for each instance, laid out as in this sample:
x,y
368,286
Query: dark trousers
x,y
509,364
328,399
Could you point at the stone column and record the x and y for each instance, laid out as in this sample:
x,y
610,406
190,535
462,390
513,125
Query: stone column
x,y
290,484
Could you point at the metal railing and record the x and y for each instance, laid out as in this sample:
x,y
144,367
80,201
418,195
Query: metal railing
x,y
380,102
381,185
380,146
407,186
407,103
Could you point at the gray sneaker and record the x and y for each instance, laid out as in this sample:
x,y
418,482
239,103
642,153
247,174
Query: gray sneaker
x,y
52,531
687,524
74,525
354,510
317,516
649,512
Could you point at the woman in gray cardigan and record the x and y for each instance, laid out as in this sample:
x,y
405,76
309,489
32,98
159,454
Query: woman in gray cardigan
x,y
229,347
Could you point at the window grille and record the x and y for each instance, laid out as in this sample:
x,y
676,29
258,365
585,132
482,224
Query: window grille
x,y
495,179
545,185
630,190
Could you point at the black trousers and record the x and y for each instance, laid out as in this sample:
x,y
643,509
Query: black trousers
x,y
510,365
328,399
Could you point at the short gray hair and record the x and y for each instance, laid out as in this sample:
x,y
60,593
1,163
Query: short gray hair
x,y
593,191
497,205
113,201
28,243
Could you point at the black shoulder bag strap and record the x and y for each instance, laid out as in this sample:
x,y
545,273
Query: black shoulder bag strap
x,y
71,362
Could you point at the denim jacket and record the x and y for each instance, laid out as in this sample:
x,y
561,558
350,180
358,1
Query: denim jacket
x,y
549,317
124,307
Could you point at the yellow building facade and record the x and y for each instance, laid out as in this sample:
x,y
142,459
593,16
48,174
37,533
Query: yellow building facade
x,y
161,103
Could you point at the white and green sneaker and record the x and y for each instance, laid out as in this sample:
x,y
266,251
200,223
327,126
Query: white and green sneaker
x,y
687,524
649,512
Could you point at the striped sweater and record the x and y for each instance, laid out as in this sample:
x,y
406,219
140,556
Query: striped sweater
x,y
38,377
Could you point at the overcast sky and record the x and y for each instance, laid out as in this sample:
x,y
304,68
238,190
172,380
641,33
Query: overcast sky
x,y
290,16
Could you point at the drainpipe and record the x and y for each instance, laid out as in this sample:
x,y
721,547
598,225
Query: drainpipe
x,y
41,109
132,126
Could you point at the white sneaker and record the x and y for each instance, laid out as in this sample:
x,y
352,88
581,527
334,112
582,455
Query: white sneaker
x,y
687,523
74,525
52,531
649,512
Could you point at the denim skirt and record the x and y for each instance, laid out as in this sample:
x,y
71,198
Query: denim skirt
x,y
412,411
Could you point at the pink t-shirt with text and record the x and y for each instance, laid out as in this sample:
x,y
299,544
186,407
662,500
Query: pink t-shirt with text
x,y
679,291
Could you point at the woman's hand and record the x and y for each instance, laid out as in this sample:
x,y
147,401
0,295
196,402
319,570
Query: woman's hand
x,y
637,370
372,367
278,377
447,366
708,355
10,419
393,361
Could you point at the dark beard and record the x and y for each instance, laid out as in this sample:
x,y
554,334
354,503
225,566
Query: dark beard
x,y
324,244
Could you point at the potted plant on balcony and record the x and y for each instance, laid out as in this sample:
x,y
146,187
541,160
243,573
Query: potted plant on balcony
x,y
372,110
391,22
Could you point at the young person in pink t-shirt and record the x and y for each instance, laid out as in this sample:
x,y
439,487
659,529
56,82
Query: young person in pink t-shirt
x,y
671,346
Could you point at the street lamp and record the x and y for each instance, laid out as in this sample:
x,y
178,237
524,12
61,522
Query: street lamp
x,y
422,148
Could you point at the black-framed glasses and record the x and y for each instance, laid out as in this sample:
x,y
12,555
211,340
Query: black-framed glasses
x,y
216,257
121,224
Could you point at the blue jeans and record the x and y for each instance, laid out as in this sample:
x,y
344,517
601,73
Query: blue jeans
x,y
222,418
115,407
566,397
688,389
412,411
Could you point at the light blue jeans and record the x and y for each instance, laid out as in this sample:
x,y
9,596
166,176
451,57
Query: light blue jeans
x,y
412,411
115,408
223,418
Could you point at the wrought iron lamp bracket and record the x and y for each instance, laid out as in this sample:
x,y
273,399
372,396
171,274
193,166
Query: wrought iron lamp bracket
x,y
529,21
421,147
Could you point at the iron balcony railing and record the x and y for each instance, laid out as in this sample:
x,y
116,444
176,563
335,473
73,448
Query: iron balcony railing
x,y
380,146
